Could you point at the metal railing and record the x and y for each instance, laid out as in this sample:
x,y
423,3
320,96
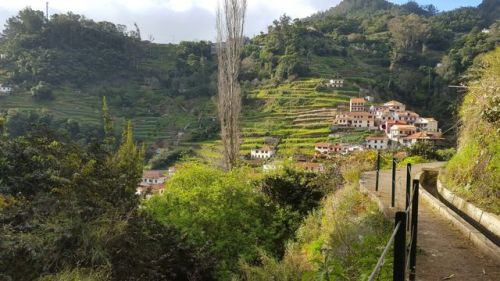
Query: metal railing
x,y
404,236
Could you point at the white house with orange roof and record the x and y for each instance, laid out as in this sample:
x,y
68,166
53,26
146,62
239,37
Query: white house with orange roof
x,y
327,148
383,115
427,124
421,137
355,120
387,125
377,142
152,182
407,116
395,105
357,105
398,132
154,177
264,152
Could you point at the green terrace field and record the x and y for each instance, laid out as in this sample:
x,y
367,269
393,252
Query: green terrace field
x,y
173,127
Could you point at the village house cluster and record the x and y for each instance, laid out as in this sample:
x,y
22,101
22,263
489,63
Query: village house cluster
x,y
392,123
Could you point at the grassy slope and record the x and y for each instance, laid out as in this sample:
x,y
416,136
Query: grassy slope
x,y
474,172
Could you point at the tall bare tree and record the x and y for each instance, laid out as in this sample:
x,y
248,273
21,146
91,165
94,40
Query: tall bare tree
x,y
230,27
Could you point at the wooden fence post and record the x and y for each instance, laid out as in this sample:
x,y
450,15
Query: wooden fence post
x,y
408,185
399,269
414,230
393,196
378,171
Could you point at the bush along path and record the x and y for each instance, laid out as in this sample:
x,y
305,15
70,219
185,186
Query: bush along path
x,y
444,253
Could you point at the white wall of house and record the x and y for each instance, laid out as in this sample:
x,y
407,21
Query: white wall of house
x,y
397,132
149,181
381,144
336,83
5,89
407,116
427,125
395,106
261,153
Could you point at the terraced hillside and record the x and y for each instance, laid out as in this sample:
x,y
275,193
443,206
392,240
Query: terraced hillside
x,y
295,113
172,128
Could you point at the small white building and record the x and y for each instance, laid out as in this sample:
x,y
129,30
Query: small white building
x,y
350,148
3,56
264,152
153,182
154,177
383,115
5,90
421,137
336,83
395,105
427,124
327,148
398,132
409,117
377,142
364,120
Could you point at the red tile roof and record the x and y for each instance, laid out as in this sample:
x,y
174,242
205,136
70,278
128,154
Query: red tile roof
x,y
358,100
154,174
377,138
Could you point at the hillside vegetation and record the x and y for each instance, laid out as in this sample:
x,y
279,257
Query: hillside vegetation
x,y
165,89
65,64
474,172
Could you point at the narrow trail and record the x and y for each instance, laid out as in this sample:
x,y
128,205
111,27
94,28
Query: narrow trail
x,y
444,253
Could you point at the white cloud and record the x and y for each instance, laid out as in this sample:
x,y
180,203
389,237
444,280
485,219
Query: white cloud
x,y
171,20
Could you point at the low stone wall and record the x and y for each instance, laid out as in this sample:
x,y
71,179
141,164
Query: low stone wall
x,y
489,221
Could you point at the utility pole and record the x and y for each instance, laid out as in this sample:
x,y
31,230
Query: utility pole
x,y
47,10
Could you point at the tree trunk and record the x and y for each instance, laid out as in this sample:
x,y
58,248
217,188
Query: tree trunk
x,y
230,24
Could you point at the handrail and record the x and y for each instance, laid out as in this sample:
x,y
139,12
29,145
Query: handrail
x,y
405,254
381,260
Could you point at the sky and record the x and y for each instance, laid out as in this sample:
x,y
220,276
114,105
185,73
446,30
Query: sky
x,y
168,21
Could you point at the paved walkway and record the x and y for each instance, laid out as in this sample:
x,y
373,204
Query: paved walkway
x,y
444,253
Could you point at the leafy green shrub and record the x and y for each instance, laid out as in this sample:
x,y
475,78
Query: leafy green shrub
x,y
42,91
293,194
412,160
445,154
342,240
425,149
218,210
166,158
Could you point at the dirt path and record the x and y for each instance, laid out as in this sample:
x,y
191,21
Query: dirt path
x,y
445,254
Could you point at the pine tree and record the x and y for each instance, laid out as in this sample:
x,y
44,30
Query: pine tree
x,y
129,161
109,137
